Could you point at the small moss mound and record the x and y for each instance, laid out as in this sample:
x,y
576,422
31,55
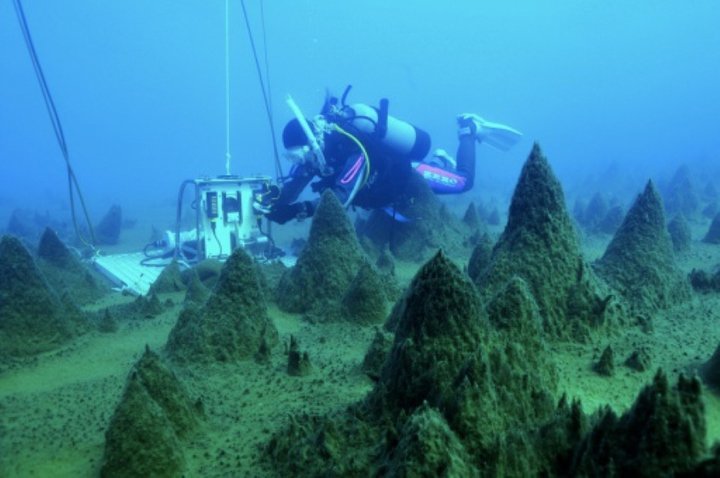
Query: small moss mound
x,y
713,234
196,292
703,281
298,362
33,318
169,280
663,434
605,366
612,220
65,272
679,233
365,301
595,212
639,360
107,232
107,323
710,370
146,431
471,217
328,263
639,261
680,195
233,325
539,244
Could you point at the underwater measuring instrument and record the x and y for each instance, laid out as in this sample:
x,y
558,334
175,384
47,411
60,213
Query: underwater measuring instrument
x,y
225,219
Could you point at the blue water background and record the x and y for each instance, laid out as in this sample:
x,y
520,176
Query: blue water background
x,y
139,87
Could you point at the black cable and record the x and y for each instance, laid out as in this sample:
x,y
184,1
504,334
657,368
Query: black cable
x,y
57,126
262,88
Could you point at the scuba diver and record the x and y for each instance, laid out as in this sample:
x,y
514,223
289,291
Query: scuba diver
x,y
366,157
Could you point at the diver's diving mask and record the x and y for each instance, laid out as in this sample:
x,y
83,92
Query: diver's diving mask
x,y
301,155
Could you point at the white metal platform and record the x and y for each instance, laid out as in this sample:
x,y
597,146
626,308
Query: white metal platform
x,y
127,271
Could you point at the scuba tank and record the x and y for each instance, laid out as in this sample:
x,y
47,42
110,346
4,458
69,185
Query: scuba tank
x,y
395,136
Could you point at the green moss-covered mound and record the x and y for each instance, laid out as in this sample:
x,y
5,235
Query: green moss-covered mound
x,y
679,233
169,280
327,264
107,232
612,220
154,416
703,281
33,318
428,447
710,371
480,257
639,261
365,302
455,389
680,196
196,292
233,325
663,434
417,226
540,246
439,328
471,218
713,234
66,273
595,212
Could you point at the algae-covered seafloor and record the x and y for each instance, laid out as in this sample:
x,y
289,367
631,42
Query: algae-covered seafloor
x,y
524,350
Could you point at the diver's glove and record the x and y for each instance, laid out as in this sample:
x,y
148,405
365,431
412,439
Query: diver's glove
x,y
498,135
264,199
282,213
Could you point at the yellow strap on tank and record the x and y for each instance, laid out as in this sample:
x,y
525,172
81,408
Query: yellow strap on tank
x,y
362,149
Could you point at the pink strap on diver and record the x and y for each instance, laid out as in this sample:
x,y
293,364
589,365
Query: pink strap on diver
x,y
352,172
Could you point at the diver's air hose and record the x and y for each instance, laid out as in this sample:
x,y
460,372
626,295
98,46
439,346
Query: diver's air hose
x,y
359,184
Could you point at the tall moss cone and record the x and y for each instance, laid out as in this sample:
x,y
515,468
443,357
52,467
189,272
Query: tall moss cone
x,y
65,272
33,318
234,325
154,415
439,327
639,260
327,264
539,245
663,434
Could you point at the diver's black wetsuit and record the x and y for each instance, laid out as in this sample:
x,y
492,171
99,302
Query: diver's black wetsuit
x,y
384,185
